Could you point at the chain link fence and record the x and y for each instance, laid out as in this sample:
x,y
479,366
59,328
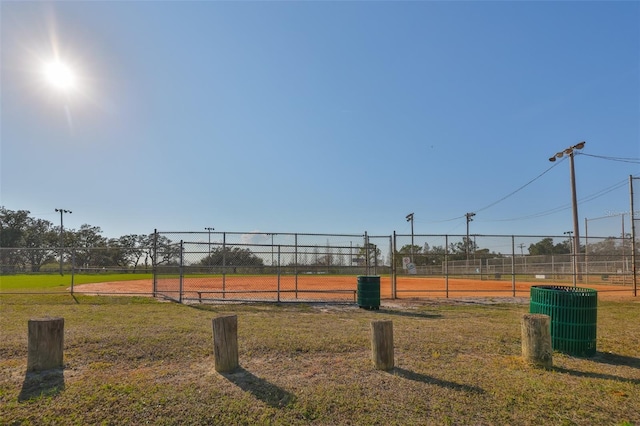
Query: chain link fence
x,y
230,266
442,264
258,266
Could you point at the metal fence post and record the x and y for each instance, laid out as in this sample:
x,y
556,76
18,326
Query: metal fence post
x,y
224,264
181,271
154,262
366,253
295,264
446,265
394,282
586,247
633,238
278,266
513,265
73,268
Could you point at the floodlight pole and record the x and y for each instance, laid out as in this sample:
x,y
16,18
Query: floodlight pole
x,y
576,231
62,211
209,229
574,203
410,219
469,217
569,233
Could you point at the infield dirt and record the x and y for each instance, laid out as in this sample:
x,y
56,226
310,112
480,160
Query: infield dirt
x,y
338,287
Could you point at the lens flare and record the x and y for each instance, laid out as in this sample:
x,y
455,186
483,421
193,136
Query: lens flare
x,y
60,75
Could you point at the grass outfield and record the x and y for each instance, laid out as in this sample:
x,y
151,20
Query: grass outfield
x,y
55,282
140,361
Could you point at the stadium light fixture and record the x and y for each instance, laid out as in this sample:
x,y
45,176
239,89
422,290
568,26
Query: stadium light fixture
x,y
569,233
574,203
62,211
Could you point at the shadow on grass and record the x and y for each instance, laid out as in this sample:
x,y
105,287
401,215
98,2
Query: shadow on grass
x,y
591,375
417,377
266,392
615,359
606,358
42,384
408,314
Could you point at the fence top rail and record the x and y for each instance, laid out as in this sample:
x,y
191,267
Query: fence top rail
x,y
261,233
268,245
506,236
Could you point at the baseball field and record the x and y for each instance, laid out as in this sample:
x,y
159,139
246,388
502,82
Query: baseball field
x,y
332,287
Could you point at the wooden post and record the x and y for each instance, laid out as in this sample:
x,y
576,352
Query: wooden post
x,y
382,344
536,340
225,343
45,344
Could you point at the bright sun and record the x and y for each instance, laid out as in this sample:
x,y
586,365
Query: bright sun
x,y
60,75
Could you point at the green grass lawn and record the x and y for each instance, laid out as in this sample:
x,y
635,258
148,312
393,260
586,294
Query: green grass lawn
x,y
55,282
140,361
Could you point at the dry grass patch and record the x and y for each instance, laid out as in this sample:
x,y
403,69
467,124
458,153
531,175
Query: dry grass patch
x,y
138,361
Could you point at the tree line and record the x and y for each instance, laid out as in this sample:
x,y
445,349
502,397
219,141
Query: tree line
x,y
19,230
434,255
604,249
28,244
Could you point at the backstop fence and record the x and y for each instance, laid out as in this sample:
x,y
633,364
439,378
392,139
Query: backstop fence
x,y
232,266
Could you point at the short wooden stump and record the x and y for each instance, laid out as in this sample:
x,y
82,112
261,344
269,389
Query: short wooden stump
x,y
382,344
536,340
46,344
225,343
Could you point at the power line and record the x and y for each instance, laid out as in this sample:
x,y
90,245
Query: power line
x,y
564,207
620,159
503,198
555,209
446,220
604,191
607,216
558,209
519,189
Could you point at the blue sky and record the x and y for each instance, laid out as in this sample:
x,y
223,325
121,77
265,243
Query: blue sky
x,y
336,117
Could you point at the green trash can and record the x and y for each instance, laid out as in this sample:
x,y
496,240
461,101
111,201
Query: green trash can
x,y
573,312
369,291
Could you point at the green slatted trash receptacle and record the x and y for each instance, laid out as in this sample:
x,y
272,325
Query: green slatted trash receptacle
x,y
369,291
574,314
